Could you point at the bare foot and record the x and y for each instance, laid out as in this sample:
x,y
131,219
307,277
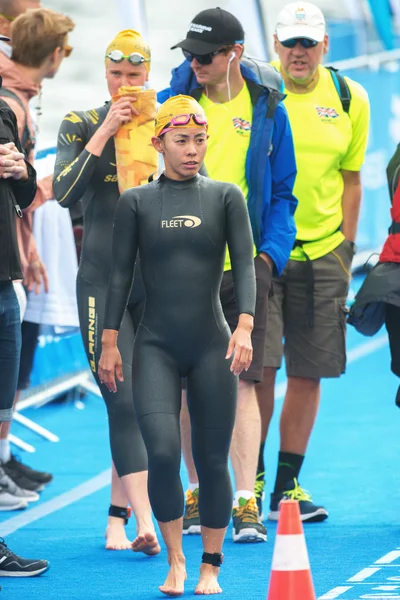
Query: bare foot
x,y
115,535
208,582
146,543
175,582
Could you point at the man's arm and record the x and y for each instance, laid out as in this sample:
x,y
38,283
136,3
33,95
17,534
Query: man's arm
x,y
351,203
279,230
24,181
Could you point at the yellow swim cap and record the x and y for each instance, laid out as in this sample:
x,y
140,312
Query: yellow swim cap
x,y
128,42
180,111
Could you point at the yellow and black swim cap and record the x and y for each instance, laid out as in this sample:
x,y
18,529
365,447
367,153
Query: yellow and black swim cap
x,y
180,111
129,42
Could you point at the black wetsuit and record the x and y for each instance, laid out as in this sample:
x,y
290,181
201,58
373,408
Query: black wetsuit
x,y
181,230
80,176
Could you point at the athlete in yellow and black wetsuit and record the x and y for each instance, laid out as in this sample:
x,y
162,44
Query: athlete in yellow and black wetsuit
x,y
86,172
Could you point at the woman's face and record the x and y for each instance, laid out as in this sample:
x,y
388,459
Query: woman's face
x,y
184,150
124,74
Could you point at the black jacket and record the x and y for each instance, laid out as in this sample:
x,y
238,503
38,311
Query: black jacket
x,y
14,196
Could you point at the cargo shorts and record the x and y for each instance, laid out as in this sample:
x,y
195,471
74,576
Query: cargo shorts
x,y
315,349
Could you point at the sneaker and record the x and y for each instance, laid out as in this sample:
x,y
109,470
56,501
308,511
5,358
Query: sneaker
x,y
12,565
21,480
308,510
12,488
191,518
10,502
17,466
259,493
247,526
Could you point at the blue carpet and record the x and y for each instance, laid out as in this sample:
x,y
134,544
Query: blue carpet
x,y
349,468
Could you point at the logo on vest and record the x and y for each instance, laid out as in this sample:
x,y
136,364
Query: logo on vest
x,y
197,28
327,115
241,126
181,221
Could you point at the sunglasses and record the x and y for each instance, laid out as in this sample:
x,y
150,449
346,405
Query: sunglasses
x,y
304,42
202,59
8,18
135,58
67,51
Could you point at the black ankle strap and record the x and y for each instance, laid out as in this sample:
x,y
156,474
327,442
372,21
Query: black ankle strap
x,y
215,559
121,513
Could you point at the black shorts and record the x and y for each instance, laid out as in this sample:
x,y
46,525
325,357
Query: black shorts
x,y
229,306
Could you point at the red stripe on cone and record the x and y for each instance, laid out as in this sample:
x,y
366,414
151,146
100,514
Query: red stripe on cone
x,y
289,518
294,585
290,580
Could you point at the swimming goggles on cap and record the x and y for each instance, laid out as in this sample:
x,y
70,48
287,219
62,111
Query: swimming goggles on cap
x,y
135,58
304,42
185,119
181,120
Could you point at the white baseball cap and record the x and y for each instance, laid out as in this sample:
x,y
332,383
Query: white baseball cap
x,y
300,20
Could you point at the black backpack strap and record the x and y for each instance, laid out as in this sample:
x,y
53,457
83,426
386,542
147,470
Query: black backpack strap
x,y
342,88
394,228
27,141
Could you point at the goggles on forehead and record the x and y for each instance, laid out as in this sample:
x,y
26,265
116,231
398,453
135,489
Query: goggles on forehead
x,y
135,58
304,42
181,120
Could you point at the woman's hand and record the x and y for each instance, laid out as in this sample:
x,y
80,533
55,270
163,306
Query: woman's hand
x,y
240,345
110,365
121,112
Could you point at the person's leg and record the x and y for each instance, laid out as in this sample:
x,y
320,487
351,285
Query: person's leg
x,y
157,398
312,351
212,401
273,353
298,416
5,453
127,447
12,497
30,332
191,518
21,474
186,437
11,565
246,437
392,319
117,516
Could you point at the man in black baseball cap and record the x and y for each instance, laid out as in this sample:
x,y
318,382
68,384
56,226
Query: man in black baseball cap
x,y
210,30
251,146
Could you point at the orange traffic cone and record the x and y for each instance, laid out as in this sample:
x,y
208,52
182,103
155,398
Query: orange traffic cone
x,y
290,574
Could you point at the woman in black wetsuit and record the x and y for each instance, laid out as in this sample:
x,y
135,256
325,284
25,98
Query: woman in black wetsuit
x,y
180,224
86,171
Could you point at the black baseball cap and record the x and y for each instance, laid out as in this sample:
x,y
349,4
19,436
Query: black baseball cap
x,y
210,30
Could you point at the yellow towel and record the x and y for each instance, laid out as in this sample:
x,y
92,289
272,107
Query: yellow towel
x,y
136,157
